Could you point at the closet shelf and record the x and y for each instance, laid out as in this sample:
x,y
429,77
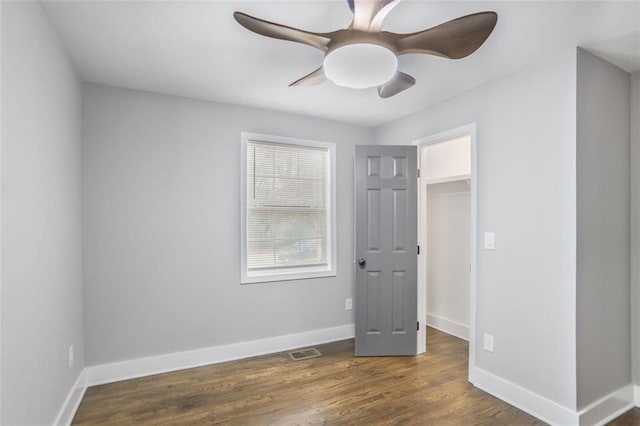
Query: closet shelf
x,y
448,179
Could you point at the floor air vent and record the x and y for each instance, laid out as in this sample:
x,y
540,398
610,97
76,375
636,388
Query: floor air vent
x,y
304,354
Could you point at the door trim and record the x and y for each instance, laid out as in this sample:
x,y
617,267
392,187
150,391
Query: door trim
x,y
467,130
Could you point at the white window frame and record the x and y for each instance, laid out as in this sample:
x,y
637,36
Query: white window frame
x,y
289,273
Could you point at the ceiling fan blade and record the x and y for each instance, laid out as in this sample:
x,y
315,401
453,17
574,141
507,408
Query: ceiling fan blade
x,y
313,78
369,14
454,39
350,3
282,32
397,84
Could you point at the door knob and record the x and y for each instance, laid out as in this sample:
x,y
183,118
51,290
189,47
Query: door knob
x,y
362,262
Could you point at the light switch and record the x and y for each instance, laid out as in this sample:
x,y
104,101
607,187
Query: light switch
x,y
489,240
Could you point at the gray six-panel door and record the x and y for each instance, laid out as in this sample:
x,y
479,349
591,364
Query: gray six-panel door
x,y
386,245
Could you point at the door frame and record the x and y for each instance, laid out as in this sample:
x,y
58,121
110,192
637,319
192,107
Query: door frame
x,y
422,143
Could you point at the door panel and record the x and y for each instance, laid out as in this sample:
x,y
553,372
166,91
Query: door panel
x,y
374,208
386,242
373,302
399,220
399,292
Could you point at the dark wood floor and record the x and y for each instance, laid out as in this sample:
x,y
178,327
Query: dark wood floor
x,y
336,388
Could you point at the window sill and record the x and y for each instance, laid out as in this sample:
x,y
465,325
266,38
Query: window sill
x,y
280,275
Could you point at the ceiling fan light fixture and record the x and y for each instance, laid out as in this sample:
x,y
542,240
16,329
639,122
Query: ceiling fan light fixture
x,y
362,55
360,65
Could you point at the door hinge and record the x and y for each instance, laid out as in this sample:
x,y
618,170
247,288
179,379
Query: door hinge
x,y
418,249
418,325
418,172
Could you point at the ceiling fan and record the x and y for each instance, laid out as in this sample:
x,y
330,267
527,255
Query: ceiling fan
x,y
363,56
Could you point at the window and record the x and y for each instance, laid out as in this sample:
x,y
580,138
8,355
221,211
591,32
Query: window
x,y
288,208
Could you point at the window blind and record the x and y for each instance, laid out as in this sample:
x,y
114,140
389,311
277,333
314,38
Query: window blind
x,y
286,205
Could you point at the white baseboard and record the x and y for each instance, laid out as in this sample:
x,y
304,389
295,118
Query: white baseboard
x,y
72,402
527,401
538,406
108,373
595,414
608,408
448,326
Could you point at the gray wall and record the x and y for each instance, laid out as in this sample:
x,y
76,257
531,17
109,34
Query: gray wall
x,y
602,285
41,257
161,206
526,195
448,231
635,223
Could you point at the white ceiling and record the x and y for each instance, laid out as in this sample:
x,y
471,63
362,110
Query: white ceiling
x,y
196,49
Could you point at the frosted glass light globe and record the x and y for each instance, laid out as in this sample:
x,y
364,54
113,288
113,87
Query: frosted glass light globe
x,y
360,65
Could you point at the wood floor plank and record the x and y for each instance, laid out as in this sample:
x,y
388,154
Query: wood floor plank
x,y
336,388
630,418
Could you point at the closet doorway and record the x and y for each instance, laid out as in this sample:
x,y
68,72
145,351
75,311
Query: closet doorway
x,y
446,234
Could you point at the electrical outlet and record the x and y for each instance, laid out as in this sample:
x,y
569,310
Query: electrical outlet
x,y
71,360
489,240
348,304
488,342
